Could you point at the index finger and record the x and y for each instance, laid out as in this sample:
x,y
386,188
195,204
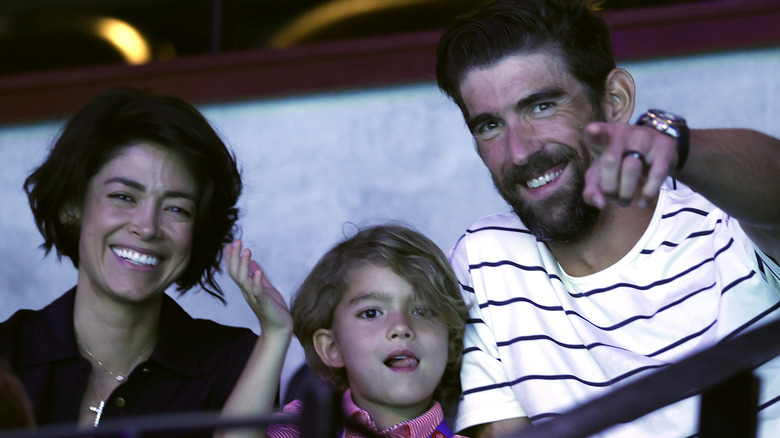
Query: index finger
x,y
605,144
596,137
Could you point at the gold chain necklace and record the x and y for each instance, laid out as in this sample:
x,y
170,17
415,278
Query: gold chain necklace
x,y
120,377
98,410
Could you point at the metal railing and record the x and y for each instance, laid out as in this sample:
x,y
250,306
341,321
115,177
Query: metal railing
x,y
722,374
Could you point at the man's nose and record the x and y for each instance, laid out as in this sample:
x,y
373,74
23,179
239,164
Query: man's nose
x,y
522,141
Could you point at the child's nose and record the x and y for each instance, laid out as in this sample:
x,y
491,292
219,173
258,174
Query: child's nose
x,y
400,327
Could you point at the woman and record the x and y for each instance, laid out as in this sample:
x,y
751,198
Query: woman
x,y
140,193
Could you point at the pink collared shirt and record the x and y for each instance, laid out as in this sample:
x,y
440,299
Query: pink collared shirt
x,y
419,427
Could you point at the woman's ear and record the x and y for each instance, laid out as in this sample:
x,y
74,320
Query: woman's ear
x,y
328,348
619,101
69,214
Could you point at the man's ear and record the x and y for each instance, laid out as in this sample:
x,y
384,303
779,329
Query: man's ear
x,y
328,348
620,93
69,214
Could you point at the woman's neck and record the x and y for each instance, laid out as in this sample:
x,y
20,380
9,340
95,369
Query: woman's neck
x,y
115,338
114,335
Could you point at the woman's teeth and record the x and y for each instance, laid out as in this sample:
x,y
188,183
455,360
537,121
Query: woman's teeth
x,y
542,180
136,257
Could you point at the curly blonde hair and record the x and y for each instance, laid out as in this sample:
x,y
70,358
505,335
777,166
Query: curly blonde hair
x,y
411,256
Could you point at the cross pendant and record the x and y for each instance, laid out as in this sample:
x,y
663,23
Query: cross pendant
x,y
98,412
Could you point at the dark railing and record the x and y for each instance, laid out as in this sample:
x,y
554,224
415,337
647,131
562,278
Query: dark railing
x,y
320,417
723,375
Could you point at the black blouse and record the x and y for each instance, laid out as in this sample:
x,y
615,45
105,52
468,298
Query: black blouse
x,y
193,368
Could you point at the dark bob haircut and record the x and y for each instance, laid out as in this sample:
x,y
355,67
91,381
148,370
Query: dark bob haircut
x,y
121,117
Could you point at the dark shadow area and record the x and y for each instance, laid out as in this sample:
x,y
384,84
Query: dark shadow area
x,y
42,35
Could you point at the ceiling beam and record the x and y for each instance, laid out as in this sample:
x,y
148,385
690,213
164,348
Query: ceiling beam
x,y
664,31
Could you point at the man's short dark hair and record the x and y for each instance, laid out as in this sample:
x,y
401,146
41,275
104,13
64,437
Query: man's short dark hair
x,y
500,28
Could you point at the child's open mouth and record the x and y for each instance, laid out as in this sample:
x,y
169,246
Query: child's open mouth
x,y
402,361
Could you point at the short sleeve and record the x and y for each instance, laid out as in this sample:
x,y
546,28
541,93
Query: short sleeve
x,y
487,395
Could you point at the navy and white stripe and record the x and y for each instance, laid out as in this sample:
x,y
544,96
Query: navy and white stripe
x,y
539,341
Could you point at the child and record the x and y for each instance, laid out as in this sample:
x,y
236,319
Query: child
x,y
381,317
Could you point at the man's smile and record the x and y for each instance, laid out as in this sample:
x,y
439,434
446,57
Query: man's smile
x,y
535,183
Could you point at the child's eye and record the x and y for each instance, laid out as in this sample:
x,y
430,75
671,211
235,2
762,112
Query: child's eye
x,y
369,313
423,311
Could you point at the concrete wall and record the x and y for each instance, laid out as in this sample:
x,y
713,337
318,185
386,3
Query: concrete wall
x,y
313,165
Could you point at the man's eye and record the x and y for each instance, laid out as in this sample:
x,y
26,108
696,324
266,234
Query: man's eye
x,y
488,126
368,313
543,107
488,130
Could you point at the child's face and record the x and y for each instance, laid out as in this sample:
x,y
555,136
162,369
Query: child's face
x,y
394,349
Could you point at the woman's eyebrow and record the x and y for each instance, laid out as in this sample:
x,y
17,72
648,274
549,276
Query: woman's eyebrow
x,y
138,186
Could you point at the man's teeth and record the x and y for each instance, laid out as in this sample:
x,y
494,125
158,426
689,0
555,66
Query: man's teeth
x,y
136,257
542,180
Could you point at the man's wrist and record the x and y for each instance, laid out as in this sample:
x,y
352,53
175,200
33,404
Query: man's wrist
x,y
672,125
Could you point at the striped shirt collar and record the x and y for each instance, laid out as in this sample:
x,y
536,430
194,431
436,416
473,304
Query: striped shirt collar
x,y
419,427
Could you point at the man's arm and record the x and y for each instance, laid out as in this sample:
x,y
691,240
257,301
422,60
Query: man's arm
x,y
736,169
739,171
496,429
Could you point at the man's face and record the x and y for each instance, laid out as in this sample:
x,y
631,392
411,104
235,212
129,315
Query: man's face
x,y
527,115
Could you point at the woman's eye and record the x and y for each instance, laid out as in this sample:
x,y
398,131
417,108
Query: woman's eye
x,y
369,313
180,211
121,197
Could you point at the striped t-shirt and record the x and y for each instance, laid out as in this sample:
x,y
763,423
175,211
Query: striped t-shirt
x,y
539,342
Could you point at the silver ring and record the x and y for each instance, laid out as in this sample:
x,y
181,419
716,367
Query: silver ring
x,y
636,154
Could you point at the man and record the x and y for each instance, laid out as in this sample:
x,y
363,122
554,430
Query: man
x,y
629,246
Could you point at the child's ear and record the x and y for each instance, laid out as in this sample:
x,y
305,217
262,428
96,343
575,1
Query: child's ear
x,y
328,348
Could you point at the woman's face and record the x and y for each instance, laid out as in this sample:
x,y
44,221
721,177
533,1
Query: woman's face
x,y
137,225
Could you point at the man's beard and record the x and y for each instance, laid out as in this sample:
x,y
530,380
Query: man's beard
x,y
561,218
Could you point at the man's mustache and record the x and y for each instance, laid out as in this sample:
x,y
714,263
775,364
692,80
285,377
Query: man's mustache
x,y
539,163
